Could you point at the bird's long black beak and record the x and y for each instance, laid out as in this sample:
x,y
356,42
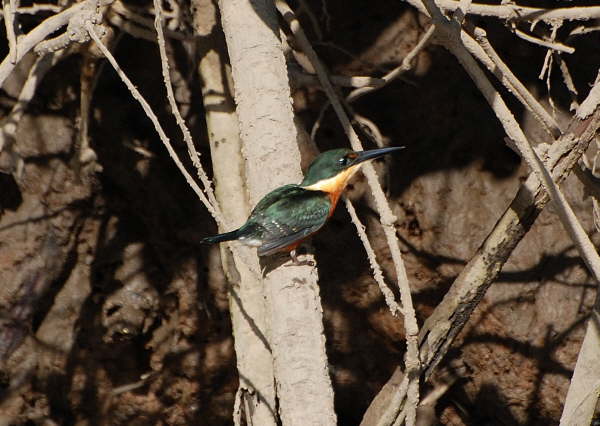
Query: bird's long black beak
x,y
375,153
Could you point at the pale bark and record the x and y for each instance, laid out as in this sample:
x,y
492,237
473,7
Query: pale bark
x,y
583,392
269,142
246,297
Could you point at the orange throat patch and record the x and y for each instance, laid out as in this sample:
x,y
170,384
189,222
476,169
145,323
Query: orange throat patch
x,y
334,186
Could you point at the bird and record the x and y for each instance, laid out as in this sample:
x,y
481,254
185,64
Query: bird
x,y
290,214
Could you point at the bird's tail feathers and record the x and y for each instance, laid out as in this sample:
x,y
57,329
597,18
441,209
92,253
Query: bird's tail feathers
x,y
227,236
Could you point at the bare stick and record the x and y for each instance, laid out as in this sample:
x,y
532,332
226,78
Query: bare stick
x,y
583,391
9,128
512,83
10,14
568,80
519,13
387,218
559,47
148,110
41,7
377,273
446,321
43,30
187,136
461,12
398,71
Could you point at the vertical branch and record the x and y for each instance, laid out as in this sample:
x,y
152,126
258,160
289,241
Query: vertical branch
x,y
268,133
246,294
386,216
148,110
10,23
187,136
388,295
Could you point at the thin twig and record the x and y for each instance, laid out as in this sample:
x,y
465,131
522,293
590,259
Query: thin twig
x,y
9,128
387,218
398,71
514,85
10,15
148,110
559,47
388,295
187,136
519,13
43,30
568,80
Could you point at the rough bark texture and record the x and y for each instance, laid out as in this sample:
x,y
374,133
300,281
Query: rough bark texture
x,y
273,159
246,294
135,328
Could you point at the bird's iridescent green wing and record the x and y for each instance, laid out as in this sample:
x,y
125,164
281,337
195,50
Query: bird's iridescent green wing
x,y
273,196
293,217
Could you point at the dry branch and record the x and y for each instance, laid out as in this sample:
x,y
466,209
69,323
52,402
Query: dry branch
x,y
43,30
269,144
377,273
559,47
386,216
246,294
148,110
187,136
511,11
441,328
398,71
10,24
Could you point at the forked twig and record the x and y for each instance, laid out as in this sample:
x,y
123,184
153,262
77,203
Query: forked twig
x,y
187,136
148,110
399,70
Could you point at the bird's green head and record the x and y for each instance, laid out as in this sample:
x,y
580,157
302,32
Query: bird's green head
x,y
331,170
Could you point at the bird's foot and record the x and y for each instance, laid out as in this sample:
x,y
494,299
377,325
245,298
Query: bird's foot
x,y
298,262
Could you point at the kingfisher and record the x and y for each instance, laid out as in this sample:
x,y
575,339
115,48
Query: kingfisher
x,y
288,215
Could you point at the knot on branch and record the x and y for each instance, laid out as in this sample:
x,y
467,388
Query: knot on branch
x,y
388,219
76,31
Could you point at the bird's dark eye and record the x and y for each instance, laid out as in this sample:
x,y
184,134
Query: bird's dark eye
x,y
346,160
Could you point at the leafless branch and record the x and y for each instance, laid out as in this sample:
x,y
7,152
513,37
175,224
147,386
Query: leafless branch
x,y
395,309
398,71
387,218
559,47
148,110
510,11
187,136
512,83
10,23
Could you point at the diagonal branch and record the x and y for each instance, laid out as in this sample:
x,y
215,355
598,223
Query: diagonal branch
x,y
148,110
187,136
43,30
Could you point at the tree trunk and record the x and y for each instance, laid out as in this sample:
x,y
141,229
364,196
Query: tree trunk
x,y
269,142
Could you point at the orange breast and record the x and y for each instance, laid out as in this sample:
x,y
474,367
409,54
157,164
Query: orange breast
x,y
334,197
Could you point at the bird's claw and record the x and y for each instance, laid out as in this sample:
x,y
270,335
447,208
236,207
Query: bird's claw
x,y
297,262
